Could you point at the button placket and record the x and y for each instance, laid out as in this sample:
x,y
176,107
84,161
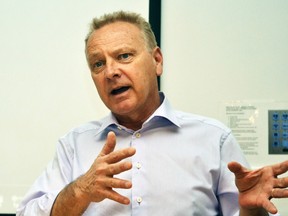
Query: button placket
x,y
138,198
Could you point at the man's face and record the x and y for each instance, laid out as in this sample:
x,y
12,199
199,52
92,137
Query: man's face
x,y
124,70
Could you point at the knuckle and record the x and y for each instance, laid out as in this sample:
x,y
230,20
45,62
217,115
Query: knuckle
x,y
111,170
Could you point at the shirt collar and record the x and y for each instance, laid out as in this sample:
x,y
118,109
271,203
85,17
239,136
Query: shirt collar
x,y
164,111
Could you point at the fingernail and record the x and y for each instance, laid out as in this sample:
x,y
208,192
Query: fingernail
x,y
128,184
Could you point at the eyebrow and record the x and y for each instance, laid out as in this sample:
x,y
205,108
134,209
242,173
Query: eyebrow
x,y
123,49
96,54
93,56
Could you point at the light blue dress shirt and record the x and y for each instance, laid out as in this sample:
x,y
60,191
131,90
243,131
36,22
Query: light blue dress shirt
x,y
179,169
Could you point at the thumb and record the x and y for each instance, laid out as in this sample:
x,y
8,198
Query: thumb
x,y
238,170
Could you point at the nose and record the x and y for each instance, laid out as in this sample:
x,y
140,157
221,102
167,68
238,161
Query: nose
x,y
112,70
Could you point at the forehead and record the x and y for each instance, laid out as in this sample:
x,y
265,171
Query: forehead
x,y
115,35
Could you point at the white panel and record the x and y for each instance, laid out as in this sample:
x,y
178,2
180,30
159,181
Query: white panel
x,y
45,86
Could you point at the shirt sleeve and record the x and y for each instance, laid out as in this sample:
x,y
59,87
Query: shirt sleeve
x,y
227,190
41,196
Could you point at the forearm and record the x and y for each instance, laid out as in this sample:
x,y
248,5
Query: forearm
x,y
70,201
253,212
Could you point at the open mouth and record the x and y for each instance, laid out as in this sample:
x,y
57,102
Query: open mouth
x,y
119,90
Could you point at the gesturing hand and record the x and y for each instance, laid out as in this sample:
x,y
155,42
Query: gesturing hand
x,y
98,182
257,187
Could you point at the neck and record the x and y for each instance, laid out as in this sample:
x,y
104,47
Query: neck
x,y
131,124
135,120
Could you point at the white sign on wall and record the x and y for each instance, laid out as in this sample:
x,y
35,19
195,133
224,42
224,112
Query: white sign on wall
x,y
260,127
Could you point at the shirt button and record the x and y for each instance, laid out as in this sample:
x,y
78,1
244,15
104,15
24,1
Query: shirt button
x,y
138,165
138,135
139,199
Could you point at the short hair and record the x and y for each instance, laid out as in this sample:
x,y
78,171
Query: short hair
x,y
129,17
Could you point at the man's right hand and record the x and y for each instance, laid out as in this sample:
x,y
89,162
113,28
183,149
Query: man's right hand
x,y
98,182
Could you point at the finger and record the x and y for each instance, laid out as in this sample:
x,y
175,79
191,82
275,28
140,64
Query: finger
x,y
280,168
117,183
238,170
109,145
114,169
281,182
279,193
113,195
270,207
119,155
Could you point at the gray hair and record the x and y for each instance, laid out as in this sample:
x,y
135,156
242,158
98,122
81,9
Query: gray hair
x,y
129,17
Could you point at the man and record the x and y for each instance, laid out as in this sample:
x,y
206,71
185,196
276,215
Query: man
x,y
163,162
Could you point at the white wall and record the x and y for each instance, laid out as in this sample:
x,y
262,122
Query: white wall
x,y
45,86
221,50
213,51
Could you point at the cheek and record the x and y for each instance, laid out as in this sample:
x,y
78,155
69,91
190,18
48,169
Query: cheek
x,y
149,75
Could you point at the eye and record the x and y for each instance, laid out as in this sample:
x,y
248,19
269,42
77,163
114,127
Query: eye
x,y
124,56
98,64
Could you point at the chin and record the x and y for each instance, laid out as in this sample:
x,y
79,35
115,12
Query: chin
x,y
124,106
122,111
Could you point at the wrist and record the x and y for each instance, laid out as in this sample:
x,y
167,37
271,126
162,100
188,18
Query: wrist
x,y
80,191
71,201
253,212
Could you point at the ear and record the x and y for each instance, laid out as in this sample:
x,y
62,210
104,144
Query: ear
x,y
158,58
